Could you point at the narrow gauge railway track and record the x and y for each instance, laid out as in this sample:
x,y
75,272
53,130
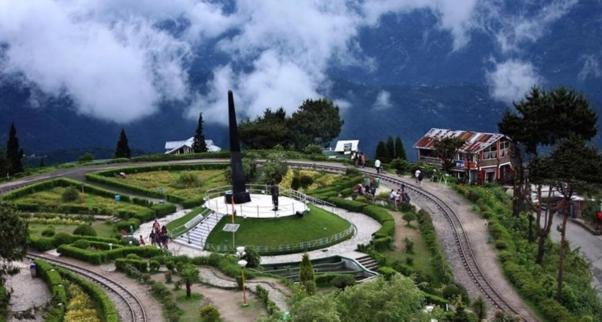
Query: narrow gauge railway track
x,y
128,306
462,239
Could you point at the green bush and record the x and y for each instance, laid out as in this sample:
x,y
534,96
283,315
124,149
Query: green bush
x,y
71,194
161,210
107,312
85,230
270,306
387,272
48,232
341,281
209,313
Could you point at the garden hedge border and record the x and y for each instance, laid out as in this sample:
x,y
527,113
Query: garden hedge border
x,y
55,283
108,312
103,256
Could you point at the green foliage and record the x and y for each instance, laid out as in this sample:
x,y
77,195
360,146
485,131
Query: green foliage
x,y
425,224
13,234
209,313
270,306
446,149
48,232
199,144
122,150
479,307
108,312
381,152
306,275
86,157
266,131
534,282
409,217
85,230
400,152
189,274
71,194
57,288
160,292
313,149
252,257
337,280
315,121
103,256
396,299
274,168
187,180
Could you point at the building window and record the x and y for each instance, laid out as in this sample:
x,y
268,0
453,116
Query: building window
x,y
490,153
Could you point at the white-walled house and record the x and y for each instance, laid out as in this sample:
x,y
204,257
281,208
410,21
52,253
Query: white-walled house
x,y
185,146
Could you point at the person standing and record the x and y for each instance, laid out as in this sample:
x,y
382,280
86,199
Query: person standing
x,y
377,165
418,174
274,191
362,159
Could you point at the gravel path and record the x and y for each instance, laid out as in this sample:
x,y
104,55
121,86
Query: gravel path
x,y
27,293
476,228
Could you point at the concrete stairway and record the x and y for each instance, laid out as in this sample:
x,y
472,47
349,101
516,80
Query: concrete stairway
x,y
197,236
368,262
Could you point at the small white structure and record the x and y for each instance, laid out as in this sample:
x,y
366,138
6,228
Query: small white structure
x,y
346,146
185,146
260,206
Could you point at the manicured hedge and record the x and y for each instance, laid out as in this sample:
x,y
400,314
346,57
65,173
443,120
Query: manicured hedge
x,y
53,278
174,157
140,264
441,266
350,205
108,312
103,256
46,243
270,306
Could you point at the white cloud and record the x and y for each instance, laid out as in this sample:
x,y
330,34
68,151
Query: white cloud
x,y
512,79
590,69
383,101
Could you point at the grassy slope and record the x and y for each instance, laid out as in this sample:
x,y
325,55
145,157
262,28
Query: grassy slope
x,y
317,224
168,180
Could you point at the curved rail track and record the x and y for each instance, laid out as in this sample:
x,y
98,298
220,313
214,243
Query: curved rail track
x,y
462,240
128,306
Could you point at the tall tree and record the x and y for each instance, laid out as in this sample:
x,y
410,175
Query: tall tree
x,y
123,149
400,152
381,151
317,122
576,168
13,233
391,151
14,153
446,150
266,131
306,275
199,144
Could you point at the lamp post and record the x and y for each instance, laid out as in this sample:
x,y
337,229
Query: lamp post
x,y
240,251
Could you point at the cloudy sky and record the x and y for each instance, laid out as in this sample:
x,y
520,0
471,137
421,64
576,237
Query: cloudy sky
x,y
118,61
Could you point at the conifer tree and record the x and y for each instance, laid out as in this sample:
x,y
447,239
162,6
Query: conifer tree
x,y
199,144
400,152
14,153
123,149
381,151
391,152
306,275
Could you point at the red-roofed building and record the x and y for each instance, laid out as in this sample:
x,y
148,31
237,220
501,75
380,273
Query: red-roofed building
x,y
484,157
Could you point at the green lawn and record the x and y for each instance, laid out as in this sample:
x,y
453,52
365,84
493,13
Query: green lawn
x,y
103,229
190,306
169,181
176,227
272,232
53,197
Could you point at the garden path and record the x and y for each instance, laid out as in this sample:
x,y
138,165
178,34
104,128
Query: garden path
x,y
589,245
28,293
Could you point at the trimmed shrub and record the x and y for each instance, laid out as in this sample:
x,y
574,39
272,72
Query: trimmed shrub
x,y
107,312
71,194
209,313
48,232
84,230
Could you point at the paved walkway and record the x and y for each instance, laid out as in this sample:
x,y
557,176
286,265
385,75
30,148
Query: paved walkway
x,y
365,227
27,293
146,228
590,246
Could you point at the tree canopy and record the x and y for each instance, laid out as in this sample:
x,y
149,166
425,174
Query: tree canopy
x,y
446,150
266,131
199,145
316,121
13,233
14,153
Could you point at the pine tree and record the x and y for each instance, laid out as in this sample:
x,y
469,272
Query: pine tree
x,y
199,144
123,149
391,152
381,151
306,275
14,154
400,152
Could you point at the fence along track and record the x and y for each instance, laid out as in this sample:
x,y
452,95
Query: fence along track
x,y
128,306
462,239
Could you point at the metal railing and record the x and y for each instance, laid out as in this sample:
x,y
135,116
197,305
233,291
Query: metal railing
x,y
255,210
291,247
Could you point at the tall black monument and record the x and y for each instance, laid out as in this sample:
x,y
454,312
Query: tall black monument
x,y
239,192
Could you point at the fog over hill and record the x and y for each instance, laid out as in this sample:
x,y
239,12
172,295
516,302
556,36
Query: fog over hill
x,y
72,73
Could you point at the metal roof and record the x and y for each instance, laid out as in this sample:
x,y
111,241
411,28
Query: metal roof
x,y
174,145
473,141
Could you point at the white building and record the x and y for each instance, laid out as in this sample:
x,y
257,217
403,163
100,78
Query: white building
x,y
346,146
185,146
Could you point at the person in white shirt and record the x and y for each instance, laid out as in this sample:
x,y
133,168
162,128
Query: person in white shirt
x,y
417,175
377,165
